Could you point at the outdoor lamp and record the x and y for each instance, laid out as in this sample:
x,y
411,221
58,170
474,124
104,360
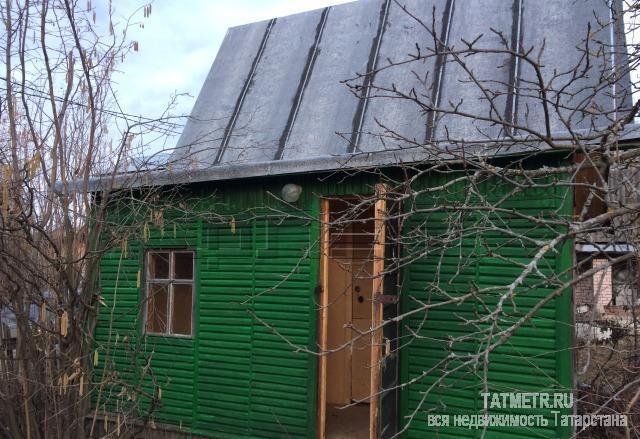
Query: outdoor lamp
x,y
291,192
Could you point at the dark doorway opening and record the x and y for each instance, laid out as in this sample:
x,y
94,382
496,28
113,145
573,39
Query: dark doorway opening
x,y
358,375
349,312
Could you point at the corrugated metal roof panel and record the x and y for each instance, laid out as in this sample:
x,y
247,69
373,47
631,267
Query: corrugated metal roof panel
x,y
275,91
469,21
326,101
200,141
272,90
383,111
562,27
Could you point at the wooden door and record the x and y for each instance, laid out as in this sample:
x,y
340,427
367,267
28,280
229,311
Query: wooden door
x,y
339,317
361,299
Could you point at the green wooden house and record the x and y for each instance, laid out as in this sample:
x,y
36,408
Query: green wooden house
x,y
218,309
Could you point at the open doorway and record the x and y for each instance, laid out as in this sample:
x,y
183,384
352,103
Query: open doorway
x,y
348,311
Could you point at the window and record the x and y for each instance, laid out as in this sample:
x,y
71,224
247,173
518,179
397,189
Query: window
x,y
169,292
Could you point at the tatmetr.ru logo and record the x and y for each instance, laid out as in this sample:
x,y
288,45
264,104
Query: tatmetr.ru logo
x,y
527,400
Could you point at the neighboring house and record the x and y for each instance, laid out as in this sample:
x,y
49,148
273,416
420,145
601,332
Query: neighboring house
x,y
611,295
219,298
8,331
38,317
612,290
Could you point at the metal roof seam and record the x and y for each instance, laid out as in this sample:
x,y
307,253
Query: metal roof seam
x,y
304,79
613,57
358,118
441,62
511,110
236,111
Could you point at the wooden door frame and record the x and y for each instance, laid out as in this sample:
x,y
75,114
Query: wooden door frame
x,y
376,310
324,315
376,306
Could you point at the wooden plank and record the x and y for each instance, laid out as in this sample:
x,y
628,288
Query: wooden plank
x,y
360,361
324,302
361,319
339,316
376,308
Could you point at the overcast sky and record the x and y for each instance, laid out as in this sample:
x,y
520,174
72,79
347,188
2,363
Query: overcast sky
x,y
179,42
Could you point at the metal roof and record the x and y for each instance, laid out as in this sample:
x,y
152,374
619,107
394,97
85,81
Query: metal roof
x,y
275,101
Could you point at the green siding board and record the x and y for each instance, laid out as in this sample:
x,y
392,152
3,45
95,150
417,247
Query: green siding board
x,y
237,378
530,360
564,316
230,283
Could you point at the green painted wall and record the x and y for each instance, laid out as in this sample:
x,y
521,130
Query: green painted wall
x,y
536,358
237,378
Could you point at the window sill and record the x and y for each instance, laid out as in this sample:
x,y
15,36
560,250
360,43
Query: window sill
x,y
167,336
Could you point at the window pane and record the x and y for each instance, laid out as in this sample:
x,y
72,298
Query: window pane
x,y
159,265
182,305
183,268
157,308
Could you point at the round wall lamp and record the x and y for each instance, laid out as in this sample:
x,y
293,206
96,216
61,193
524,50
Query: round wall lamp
x,y
291,192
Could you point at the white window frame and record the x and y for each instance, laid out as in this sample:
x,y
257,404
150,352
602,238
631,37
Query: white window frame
x,y
170,281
